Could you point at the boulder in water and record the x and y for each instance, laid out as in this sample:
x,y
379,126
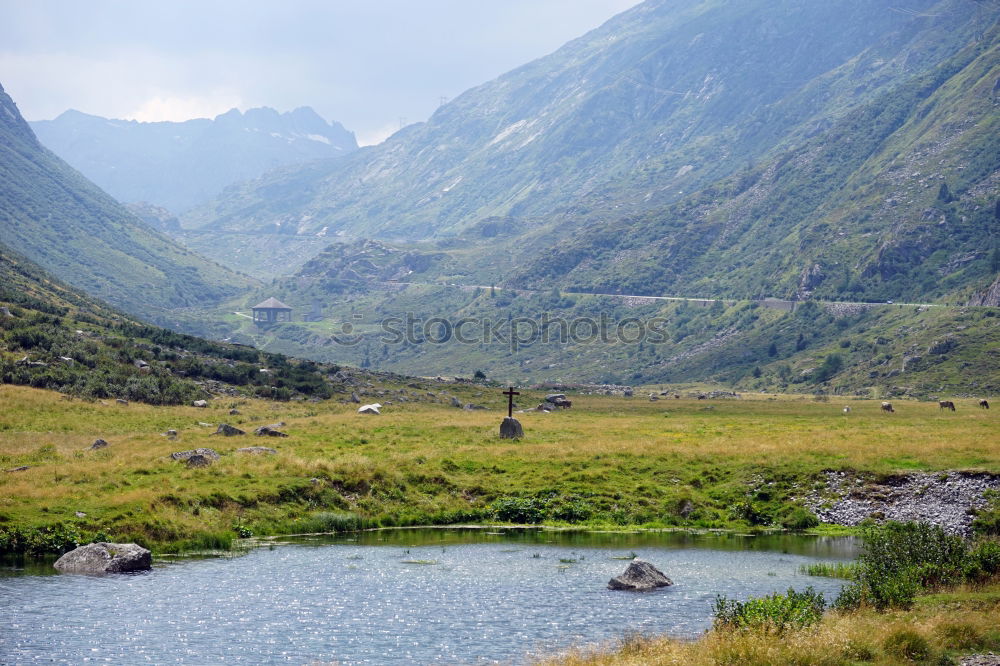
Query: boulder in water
x,y
105,557
639,575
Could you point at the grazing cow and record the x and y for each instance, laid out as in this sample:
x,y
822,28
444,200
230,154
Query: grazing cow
x,y
946,404
847,410
887,407
984,404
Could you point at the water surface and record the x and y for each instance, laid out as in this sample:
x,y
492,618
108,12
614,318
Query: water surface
x,y
396,597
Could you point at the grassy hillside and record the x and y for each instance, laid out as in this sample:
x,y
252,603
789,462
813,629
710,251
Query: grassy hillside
x,y
56,337
607,461
55,217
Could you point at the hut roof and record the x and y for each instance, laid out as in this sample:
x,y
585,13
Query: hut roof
x,y
271,304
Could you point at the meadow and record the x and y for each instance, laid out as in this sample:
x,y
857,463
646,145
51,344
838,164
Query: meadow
x,y
607,461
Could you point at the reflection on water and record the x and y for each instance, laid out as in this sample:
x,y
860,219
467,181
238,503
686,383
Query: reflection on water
x,y
397,596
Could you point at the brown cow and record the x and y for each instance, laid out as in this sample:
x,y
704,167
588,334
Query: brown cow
x,y
984,404
887,407
946,404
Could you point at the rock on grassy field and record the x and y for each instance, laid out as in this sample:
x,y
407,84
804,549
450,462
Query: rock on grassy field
x,y
609,460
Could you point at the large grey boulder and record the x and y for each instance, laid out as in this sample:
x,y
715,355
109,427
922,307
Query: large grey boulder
x,y
105,557
370,409
269,431
639,575
198,460
510,428
184,455
555,397
227,430
200,403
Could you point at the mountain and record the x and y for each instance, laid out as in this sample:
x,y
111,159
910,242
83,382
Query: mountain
x,y
662,100
57,218
180,165
894,195
57,337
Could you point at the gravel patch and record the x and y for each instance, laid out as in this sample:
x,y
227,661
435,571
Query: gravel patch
x,y
948,499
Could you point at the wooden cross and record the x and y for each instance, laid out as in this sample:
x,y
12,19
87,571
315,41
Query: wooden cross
x,y
510,393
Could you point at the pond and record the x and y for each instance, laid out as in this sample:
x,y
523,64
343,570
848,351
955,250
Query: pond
x,y
425,596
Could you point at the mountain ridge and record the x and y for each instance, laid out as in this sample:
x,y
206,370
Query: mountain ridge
x,y
180,164
54,216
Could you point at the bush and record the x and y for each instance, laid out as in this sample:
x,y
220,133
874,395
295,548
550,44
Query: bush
x,y
907,644
519,510
775,613
748,511
898,560
799,518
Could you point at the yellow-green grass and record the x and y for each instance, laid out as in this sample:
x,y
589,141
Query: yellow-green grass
x,y
608,460
939,628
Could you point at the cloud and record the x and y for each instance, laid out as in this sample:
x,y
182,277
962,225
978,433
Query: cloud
x,y
177,108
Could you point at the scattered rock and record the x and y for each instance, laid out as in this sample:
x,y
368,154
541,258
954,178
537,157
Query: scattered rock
x,y
98,444
510,428
19,469
200,403
555,397
370,409
105,557
234,412
268,431
204,425
184,455
948,499
5,312
228,431
258,450
198,460
121,402
354,398
639,575
171,434
627,393
455,402
80,514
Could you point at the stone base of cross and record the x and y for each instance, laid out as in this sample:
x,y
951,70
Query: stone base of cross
x,y
511,428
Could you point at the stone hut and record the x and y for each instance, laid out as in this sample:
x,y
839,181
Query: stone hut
x,y
270,311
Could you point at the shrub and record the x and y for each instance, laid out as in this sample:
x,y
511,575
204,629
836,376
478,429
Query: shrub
x,y
898,559
775,613
907,644
519,510
748,511
799,518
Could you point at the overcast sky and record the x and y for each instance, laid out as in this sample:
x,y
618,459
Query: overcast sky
x,y
364,63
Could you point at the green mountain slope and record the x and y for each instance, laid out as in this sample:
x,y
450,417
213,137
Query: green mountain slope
x,y
898,199
665,98
54,216
54,336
